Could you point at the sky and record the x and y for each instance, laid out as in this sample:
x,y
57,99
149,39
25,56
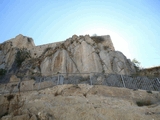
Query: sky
x,y
134,25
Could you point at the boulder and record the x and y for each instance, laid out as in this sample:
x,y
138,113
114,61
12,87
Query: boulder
x,y
74,37
14,78
22,117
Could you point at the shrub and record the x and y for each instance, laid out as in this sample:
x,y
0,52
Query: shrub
x,y
57,93
135,89
97,39
148,91
21,55
105,47
2,72
137,64
6,113
94,35
10,97
143,103
33,78
84,94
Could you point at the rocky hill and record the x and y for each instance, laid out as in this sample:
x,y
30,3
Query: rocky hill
x,y
79,54
76,99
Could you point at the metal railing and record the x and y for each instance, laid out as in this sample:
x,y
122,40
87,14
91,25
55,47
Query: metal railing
x,y
113,80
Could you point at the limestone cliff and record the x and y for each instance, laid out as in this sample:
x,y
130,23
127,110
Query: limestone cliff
x,y
79,54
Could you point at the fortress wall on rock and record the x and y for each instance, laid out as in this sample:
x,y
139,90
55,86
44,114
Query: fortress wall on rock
x,y
153,71
38,50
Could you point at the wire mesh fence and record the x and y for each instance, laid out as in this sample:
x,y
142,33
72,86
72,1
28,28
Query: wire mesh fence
x,y
73,78
114,80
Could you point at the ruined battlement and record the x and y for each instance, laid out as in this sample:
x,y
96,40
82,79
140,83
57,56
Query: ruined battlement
x,y
36,51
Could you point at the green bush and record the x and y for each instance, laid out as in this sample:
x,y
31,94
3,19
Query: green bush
x,y
2,71
21,55
137,64
143,103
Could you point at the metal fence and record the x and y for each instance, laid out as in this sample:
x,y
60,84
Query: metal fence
x,y
115,80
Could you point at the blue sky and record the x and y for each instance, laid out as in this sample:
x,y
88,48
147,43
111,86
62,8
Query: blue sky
x,y
134,25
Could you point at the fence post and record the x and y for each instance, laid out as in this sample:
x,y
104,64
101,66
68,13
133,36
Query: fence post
x,y
158,80
39,83
61,80
19,86
58,79
32,87
123,81
52,80
34,83
4,88
90,79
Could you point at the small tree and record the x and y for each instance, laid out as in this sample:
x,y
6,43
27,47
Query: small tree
x,y
21,55
94,35
137,64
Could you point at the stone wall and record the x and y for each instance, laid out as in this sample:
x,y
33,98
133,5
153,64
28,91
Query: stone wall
x,y
153,71
38,50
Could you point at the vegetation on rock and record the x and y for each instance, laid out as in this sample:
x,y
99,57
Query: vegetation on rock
x,y
21,55
137,64
2,72
97,39
143,103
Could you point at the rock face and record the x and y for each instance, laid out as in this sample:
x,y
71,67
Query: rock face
x,y
21,41
81,102
9,48
79,54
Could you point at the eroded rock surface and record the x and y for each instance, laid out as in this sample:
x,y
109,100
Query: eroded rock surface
x,y
81,102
